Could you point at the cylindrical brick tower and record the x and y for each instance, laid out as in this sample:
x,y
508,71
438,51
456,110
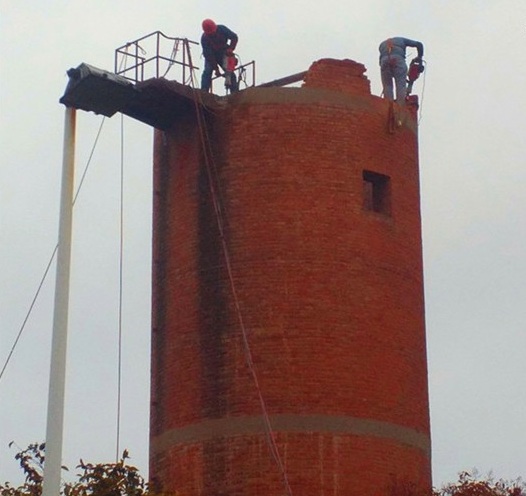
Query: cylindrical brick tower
x,y
319,207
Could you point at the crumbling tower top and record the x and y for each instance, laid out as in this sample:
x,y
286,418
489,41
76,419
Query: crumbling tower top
x,y
344,76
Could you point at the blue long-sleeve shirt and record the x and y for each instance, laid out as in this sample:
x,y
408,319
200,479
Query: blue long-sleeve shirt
x,y
396,47
215,45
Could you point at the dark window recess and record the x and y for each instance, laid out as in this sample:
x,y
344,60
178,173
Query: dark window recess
x,y
376,192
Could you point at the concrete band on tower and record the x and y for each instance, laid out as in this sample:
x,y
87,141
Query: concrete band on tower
x,y
320,214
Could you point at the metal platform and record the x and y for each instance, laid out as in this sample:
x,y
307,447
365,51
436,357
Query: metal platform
x,y
156,102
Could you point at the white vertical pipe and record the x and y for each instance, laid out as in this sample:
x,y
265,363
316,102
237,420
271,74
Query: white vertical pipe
x,y
57,376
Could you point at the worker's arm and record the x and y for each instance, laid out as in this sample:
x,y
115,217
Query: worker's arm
x,y
415,44
229,35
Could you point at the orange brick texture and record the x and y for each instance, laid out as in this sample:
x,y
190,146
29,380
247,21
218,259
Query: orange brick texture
x,y
330,295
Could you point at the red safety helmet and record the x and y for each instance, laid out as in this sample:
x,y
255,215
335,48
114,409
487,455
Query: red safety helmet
x,y
209,26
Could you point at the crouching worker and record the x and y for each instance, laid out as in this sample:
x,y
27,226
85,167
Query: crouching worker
x,y
218,43
394,67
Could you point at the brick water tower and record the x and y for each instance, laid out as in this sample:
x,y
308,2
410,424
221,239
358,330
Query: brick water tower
x,y
289,352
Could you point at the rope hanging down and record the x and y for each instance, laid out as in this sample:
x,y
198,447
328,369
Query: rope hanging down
x,y
121,249
211,170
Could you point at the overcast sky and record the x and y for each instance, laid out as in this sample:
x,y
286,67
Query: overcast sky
x,y
473,188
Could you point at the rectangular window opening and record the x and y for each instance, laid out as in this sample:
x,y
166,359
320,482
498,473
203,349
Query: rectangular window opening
x,y
376,192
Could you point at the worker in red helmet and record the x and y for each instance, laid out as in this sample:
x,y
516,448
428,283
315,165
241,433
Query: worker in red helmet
x,y
394,67
217,42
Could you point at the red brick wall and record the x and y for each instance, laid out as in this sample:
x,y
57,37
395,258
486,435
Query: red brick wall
x,y
330,295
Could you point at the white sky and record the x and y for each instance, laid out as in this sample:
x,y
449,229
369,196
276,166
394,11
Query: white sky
x,y
473,184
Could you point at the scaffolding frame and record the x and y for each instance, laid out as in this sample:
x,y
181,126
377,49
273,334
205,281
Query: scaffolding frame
x,y
133,62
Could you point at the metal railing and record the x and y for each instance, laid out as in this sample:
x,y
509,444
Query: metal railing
x,y
145,58
242,72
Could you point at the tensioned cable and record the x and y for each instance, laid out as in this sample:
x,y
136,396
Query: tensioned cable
x,y
46,271
119,367
121,249
423,91
29,311
210,164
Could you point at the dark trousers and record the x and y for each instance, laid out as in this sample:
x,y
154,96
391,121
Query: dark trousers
x,y
206,78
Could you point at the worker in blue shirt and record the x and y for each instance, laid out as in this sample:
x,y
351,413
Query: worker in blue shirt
x,y
393,65
217,42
